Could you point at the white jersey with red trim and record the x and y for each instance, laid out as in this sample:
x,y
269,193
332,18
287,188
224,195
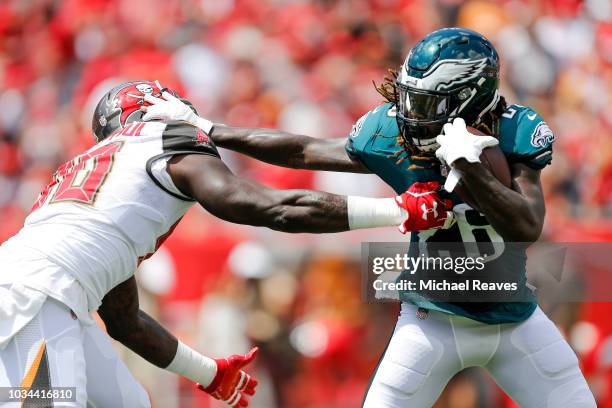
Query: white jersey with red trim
x,y
103,212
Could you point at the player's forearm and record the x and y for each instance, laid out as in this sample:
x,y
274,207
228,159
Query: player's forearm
x,y
307,211
288,149
269,145
509,212
310,211
132,327
284,210
147,338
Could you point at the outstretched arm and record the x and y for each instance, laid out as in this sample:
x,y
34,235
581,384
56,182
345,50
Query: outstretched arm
x,y
223,379
238,200
268,145
287,149
206,179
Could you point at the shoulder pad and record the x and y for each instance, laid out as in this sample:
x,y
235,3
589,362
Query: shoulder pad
x,y
525,137
181,137
375,122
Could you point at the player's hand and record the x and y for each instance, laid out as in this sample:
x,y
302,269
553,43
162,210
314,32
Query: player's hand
x,y
232,385
425,208
169,107
457,143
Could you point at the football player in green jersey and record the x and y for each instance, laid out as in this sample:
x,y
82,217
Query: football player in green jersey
x,y
449,79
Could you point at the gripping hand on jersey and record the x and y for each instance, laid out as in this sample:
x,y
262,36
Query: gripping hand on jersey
x,y
232,385
169,107
457,143
424,208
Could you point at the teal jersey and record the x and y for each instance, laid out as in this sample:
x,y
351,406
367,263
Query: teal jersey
x,y
524,138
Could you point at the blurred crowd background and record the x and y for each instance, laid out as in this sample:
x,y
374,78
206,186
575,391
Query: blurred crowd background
x,y
307,67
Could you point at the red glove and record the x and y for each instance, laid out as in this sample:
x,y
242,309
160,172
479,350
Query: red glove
x,y
231,385
425,208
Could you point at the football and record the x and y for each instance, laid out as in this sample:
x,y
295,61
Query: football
x,y
494,160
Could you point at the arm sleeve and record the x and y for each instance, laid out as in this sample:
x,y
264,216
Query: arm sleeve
x,y
181,137
178,138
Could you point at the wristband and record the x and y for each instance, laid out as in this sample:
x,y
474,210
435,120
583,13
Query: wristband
x,y
193,365
366,212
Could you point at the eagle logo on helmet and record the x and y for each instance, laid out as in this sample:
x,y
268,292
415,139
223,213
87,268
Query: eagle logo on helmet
x,y
445,74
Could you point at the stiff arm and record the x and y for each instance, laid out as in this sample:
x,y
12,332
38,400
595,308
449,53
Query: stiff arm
x,y
268,145
287,149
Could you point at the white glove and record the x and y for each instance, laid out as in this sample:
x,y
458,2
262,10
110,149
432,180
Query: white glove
x,y
457,143
169,107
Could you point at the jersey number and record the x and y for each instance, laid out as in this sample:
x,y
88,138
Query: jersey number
x,y
473,230
80,179
509,113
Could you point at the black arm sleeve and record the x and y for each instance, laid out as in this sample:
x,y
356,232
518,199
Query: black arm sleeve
x,y
181,138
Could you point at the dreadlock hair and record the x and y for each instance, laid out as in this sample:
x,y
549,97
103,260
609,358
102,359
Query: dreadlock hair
x,y
387,88
488,124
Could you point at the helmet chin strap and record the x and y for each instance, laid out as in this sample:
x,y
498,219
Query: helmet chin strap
x,y
487,108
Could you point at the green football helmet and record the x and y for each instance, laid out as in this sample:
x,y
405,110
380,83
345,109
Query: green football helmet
x,y
452,72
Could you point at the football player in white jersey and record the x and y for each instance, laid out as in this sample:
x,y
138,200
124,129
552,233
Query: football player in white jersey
x,y
110,208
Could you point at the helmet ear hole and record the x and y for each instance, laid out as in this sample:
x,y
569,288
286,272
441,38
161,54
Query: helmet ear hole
x,y
464,93
133,117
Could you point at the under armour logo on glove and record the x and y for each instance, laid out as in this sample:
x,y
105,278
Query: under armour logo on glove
x,y
425,208
428,210
231,385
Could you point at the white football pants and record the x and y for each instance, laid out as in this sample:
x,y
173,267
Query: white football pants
x,y
55,350
530,360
